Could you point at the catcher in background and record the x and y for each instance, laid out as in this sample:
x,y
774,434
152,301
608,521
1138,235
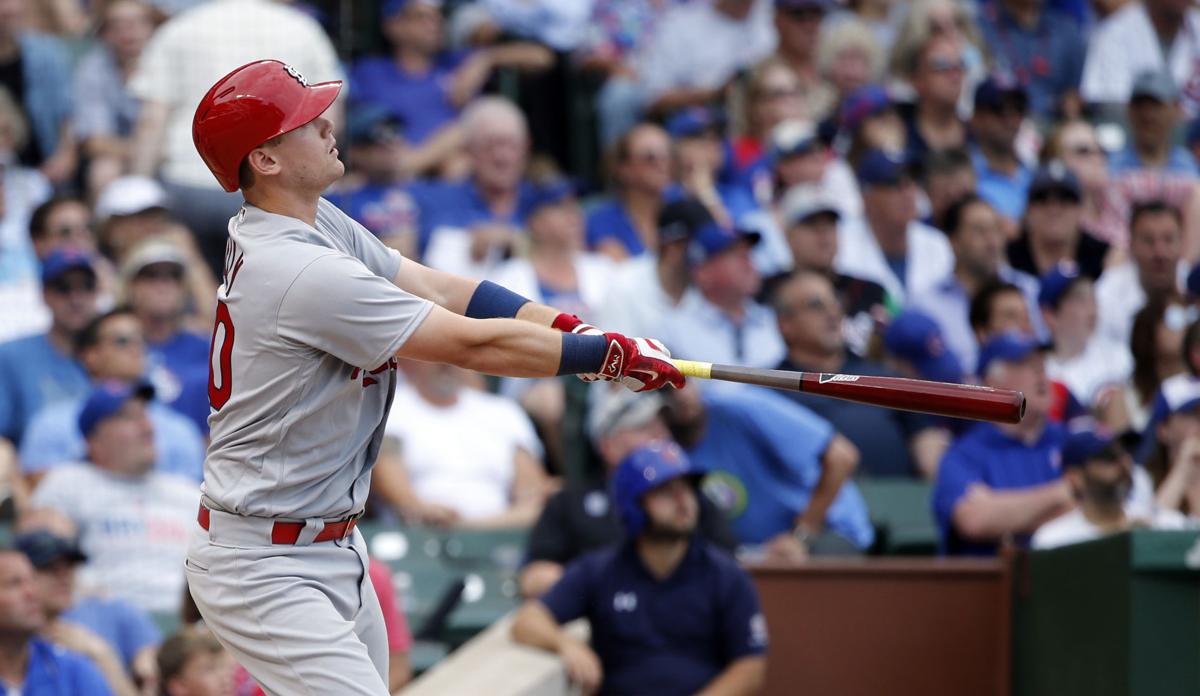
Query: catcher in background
x,y
670,612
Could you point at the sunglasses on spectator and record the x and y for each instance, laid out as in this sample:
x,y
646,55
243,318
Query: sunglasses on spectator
x,y
648,156
1054,196
771,94
1011,107
1085,150
68,231
67,286
161,272
811,304
125,340
942,64
803,13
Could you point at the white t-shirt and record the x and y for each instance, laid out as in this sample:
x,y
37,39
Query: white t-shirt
x,y
1126,44
134,531
1102,363
1073,528
636,303
188,54
695,46
929,258
1120,294
462,456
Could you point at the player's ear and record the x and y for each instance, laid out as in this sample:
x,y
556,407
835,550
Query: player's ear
x,y
262,162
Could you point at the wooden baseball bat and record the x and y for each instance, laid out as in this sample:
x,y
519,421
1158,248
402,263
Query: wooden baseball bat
x,y
936,398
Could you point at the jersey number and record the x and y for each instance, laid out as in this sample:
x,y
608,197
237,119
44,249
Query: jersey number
x,y
220,360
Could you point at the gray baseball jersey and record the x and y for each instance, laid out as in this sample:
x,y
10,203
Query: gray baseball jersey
x,y
302,368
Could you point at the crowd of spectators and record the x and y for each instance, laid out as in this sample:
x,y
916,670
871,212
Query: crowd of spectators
x,y
997,192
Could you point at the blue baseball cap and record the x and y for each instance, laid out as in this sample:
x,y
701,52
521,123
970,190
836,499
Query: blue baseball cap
x,y
1086,443
679,220
1193,281
106,399
391,8
1007,347
825,5
998,90
65,259
1193,131
693,121
862,104
917,338
1055,176
369,122
712,240
879,168
551,193
1057,281
44,547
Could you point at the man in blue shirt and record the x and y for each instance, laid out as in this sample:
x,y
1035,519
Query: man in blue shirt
x,y
111,347
375,189
423,84
1000,106
669,612
625,225
976,234
1002,481
41,370
29,665
491,205
1040,48
717,319
1154,112
126,630
891,442
779,471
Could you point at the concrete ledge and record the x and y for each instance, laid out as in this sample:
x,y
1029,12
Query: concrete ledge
x,y
491,663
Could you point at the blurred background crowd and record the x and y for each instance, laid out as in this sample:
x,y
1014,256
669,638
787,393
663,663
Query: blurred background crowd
x,y
1001,192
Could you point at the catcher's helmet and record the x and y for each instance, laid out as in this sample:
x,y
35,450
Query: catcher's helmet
x,y
251,105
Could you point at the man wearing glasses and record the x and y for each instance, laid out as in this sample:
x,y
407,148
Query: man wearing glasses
x,y
112,349
40,370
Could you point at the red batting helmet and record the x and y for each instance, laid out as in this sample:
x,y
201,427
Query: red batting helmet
x,y
248,107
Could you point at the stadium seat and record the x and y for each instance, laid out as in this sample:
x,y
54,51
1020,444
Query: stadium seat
x,y
502,548
900,512
393,543
487,596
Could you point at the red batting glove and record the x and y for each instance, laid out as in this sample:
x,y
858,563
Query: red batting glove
x,y
569,323
641,364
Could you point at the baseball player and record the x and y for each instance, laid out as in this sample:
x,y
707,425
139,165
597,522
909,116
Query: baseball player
x,y
311,313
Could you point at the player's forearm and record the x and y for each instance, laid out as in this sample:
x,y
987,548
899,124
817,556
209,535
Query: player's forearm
x,y
743,677
503,347
535,626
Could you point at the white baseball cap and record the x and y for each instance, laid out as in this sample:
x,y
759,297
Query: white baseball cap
x,y
150,252
130,195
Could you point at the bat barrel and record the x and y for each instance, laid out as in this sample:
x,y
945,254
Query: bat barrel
x,y
936,398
